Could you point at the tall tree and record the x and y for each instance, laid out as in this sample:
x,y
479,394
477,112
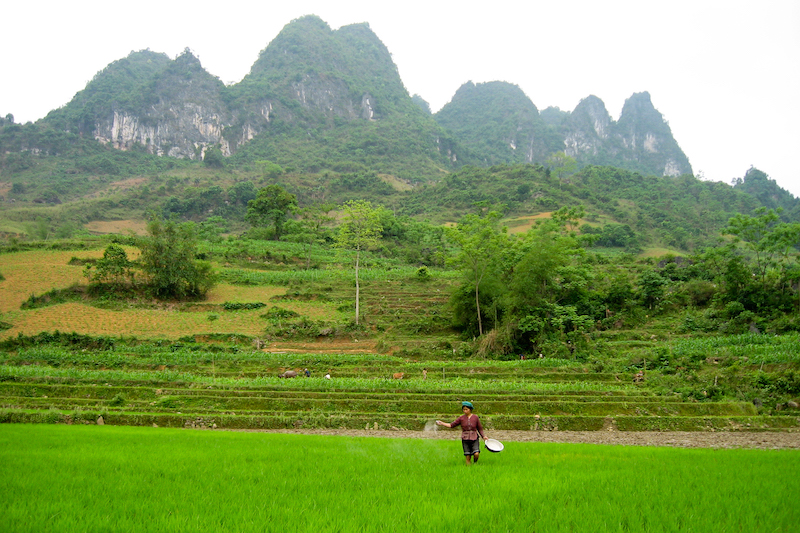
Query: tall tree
x,y
359,231
271,206
481,243
549,282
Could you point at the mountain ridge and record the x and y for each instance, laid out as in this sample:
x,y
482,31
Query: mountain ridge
x,y
318,87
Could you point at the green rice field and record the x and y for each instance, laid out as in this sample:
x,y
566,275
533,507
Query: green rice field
x,y
58,478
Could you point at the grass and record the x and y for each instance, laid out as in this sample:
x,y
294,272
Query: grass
x,y
37,272
89,478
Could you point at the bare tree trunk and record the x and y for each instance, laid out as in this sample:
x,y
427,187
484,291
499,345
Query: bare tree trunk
x,y
478,307
357,287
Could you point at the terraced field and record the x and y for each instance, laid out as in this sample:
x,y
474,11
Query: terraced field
x,y
205,365
241,390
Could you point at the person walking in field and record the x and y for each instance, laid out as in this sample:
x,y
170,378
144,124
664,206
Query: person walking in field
x,y
471,427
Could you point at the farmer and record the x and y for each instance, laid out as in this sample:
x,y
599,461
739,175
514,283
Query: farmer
x,y
471,427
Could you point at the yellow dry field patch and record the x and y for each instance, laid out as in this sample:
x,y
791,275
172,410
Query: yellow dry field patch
x,y
523,224
143,323
396,183
149,323
118,186
139,227
38,272
659,252
234,293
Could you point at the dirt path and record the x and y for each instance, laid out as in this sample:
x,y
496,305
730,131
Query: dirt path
x,y
766,440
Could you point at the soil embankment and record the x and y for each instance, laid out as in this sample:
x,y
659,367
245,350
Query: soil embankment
x,y
765,440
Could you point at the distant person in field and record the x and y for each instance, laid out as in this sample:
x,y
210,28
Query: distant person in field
x,y
471,427
307,373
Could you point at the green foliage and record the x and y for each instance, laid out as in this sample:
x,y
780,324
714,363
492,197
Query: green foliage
x,y
312,228
769,194
549,282
561,165
121,85
498,123
275,314
578,486
269,169
168,261
213,158
272,205
235,306
651,288
480,243
113,268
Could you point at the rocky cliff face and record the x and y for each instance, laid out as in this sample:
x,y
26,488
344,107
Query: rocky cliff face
x,y
641,140
587,129
647,138
184,113
309,77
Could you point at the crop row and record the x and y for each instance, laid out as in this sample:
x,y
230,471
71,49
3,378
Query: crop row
x,y
147,355
753,348
255,405
166,377
320,419
290,277
109,391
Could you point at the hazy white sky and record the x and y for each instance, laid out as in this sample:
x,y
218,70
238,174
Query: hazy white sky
x,y
724,73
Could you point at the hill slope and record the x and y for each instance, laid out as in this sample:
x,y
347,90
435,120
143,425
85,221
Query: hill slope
x,y
499,124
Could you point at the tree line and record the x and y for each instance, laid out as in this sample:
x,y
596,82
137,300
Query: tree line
x,y
541,290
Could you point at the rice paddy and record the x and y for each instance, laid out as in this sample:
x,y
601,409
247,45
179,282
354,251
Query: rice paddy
x,y
89,478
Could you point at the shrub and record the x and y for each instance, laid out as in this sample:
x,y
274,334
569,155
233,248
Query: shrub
x,y
234,306
700,292
168,259
278,313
